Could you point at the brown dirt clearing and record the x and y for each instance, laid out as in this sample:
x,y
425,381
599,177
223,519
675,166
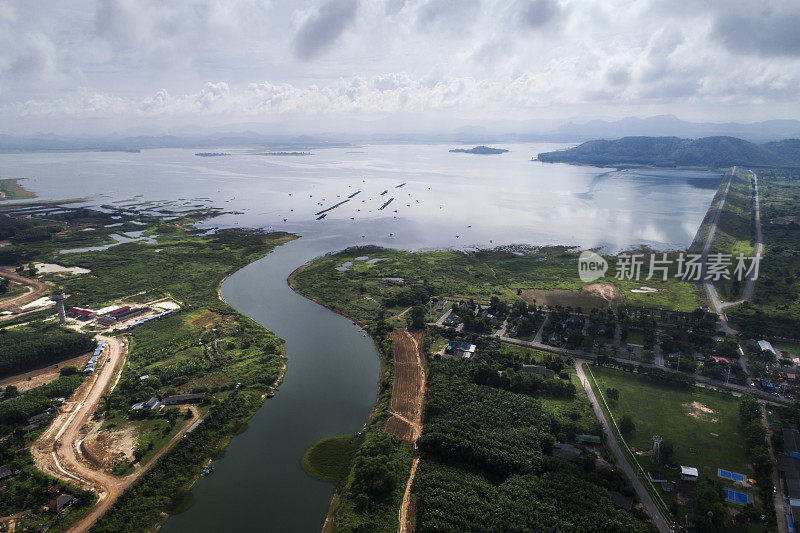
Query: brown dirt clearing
x,y
700,412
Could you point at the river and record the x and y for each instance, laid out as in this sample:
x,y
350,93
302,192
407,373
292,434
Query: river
x,y
329,388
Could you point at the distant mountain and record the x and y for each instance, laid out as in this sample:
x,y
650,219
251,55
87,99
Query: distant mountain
x,y
670,125
712,152
12,143
481,150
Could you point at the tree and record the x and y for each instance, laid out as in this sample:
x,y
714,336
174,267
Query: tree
x,y
749,408
755,433
612,394
667,451
627,425
416,317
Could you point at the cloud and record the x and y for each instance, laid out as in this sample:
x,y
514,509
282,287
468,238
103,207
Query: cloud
x,y
322,28
538,13
768,29
378,58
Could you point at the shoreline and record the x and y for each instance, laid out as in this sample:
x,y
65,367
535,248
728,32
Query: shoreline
x,y
328,523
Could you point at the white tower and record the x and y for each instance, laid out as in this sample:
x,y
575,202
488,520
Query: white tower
x,y
656,455
58,298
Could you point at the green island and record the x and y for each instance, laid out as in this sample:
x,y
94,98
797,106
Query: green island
x,y
705,152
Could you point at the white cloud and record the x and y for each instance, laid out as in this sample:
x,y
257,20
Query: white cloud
x,y
378,58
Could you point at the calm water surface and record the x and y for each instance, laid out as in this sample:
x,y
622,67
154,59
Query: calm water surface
x,y
447,200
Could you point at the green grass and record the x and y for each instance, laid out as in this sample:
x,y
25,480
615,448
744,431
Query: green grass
x,y
12,190
328,459
635,336
736,228
786,346
667,411
775,306
360,292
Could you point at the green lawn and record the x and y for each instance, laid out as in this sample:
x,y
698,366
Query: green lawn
x,y
328,459
702,425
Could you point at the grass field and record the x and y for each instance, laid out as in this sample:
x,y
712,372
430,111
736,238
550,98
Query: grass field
x,y
12,190
328,459
548,275
702,425
792,348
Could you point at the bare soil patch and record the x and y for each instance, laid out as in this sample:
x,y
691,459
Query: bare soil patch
x,y
700,411
205,320
399,427
607,292
41,376
105,449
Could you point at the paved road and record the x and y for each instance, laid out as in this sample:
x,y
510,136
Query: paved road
x,y
622,462
750,282
711,291
765,396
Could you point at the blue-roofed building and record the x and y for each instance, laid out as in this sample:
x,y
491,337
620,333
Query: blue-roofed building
x,y
459,350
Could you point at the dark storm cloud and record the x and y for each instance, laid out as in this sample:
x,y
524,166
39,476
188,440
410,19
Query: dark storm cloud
x,y
322,29
538,13
772,30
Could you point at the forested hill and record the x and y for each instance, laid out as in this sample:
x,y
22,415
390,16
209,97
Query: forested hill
x,y
712,152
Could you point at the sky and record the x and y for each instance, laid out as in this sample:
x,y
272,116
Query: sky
x,y
152,66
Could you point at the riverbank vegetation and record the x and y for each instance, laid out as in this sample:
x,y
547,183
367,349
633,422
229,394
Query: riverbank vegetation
x,y
328,459
372,488
163,488
205,347
10,189
403,279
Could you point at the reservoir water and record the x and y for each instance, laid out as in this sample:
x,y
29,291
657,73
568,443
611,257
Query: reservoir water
x,y
441,200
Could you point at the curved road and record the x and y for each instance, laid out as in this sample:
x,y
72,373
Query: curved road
x,y
56,451
36,289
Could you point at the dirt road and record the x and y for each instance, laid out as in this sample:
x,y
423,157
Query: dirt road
x,y
57,450
408,402
36,289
